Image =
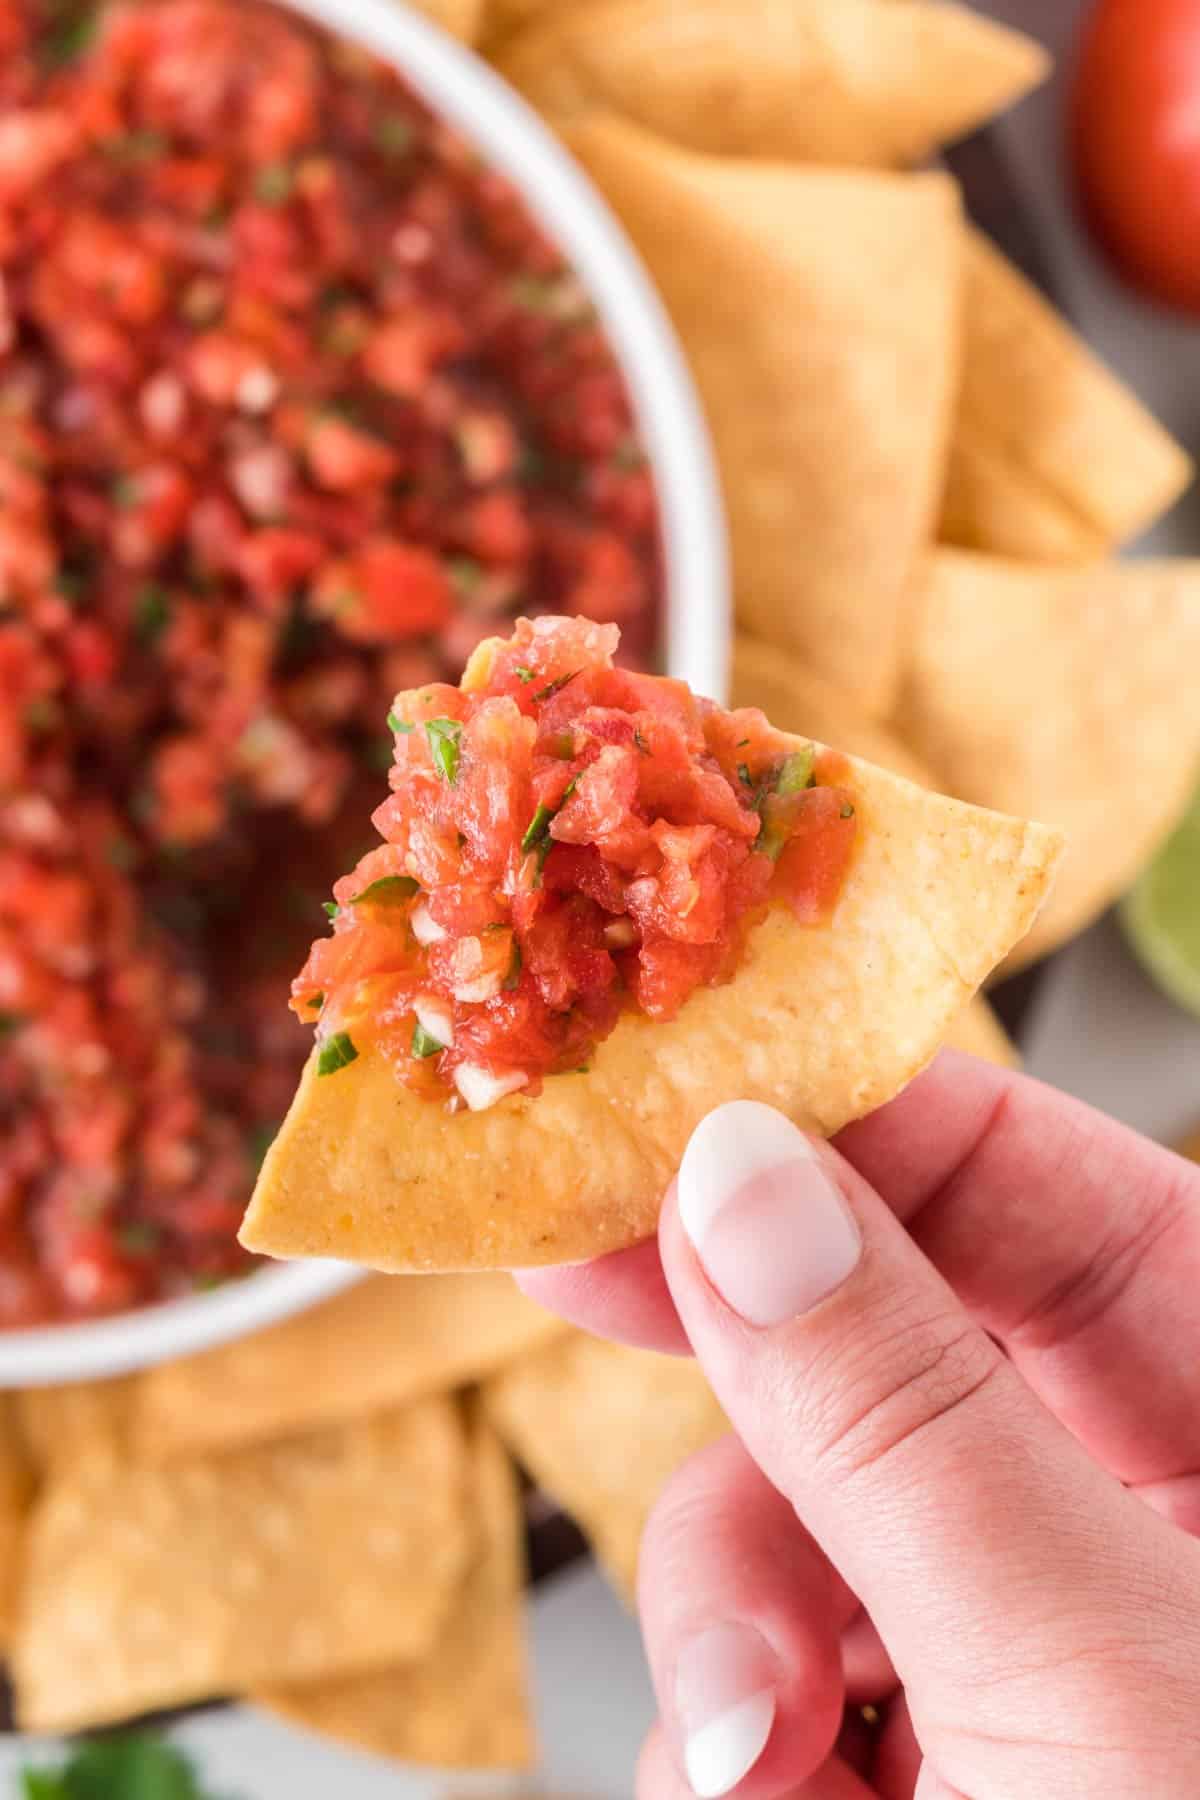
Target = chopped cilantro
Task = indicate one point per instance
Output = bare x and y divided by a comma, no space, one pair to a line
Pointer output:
444,735
120,854
744,775
389,890
72,584
151,613
337,1052
640,741
538,827
260,1141
555,687
125,491
137,146
466,574
742,742
10,1024
400,726
330,908
424,1044
315,1002
42,714
847,811
393,134
133,1766
524,676
139,1237
273,183
68,37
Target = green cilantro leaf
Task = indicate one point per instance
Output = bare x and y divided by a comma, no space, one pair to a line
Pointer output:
401,726
330,908
131,1767
525,676
151,613
424,1044
273,183
337,1052
555,687
389,890
538,827
444,746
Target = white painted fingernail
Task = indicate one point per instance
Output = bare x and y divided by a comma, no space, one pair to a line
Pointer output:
725,1701
764,1215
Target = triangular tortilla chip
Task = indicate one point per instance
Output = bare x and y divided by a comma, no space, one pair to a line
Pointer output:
824,1022
1068,692
148,1587
463,19
836,81
465,1704
602,1427
819,309
383,1344
81,1424
15,1487
979,1032
1052,456
794,699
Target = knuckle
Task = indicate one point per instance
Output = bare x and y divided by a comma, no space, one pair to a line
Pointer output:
903,1383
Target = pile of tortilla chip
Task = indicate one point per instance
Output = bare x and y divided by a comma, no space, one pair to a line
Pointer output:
327,1518
925,470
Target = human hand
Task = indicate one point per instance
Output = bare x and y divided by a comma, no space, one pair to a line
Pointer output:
967,1463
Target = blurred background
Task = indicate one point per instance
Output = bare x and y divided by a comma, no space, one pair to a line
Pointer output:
863,381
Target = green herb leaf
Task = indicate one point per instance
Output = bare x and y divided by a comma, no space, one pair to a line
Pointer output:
330,908
402,727
538,827
444,739
640,741
555,687
67,38
389,890
742,742
315,1002
139,1237
137,146
151,613
125,491
847,811
10,1024
744,775
466,574
261,1139
424,1044
524,676
132,1767
513,978
393,134
273,183
337,1052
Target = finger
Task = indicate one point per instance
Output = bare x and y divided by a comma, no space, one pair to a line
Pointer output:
659,1779
741,1623
1073,1240
906,1441
623,1296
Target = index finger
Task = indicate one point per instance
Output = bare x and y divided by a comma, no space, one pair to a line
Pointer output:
1071,1238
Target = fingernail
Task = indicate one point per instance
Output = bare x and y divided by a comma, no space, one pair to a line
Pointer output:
764,1216
725,1700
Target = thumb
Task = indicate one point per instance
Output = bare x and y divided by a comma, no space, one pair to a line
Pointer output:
986,1546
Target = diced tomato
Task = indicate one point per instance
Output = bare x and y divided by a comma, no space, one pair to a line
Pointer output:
816,857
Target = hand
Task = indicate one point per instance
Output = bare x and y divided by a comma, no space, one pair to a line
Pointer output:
967,1459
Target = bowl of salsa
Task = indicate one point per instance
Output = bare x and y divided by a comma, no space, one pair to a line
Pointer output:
320,361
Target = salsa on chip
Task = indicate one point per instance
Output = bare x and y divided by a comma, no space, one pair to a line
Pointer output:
603,905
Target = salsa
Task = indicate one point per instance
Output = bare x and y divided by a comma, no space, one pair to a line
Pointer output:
297,404
564,840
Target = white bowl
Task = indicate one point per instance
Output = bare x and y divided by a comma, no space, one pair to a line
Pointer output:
464,90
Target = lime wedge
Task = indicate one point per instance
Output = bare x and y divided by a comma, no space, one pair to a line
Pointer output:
1161,914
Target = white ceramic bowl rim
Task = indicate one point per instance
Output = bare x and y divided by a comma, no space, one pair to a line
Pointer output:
464,90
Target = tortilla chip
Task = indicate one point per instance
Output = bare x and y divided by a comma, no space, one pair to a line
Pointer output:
794,699
820,312
836,81
466,1703
463,19
154,1587
16,1483
1052,457
1069,692
979,1032
602,1427
82,1424
382,1344
824,1022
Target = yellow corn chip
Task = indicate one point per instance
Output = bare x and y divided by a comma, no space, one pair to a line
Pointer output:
382,1344
826,1023
148,1587
601,1427
837,81
78,1425
15,1488
1052,457
819,309
1068,692
465,1703
461,18
978,1031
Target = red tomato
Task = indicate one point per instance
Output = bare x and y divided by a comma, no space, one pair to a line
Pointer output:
1135,122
